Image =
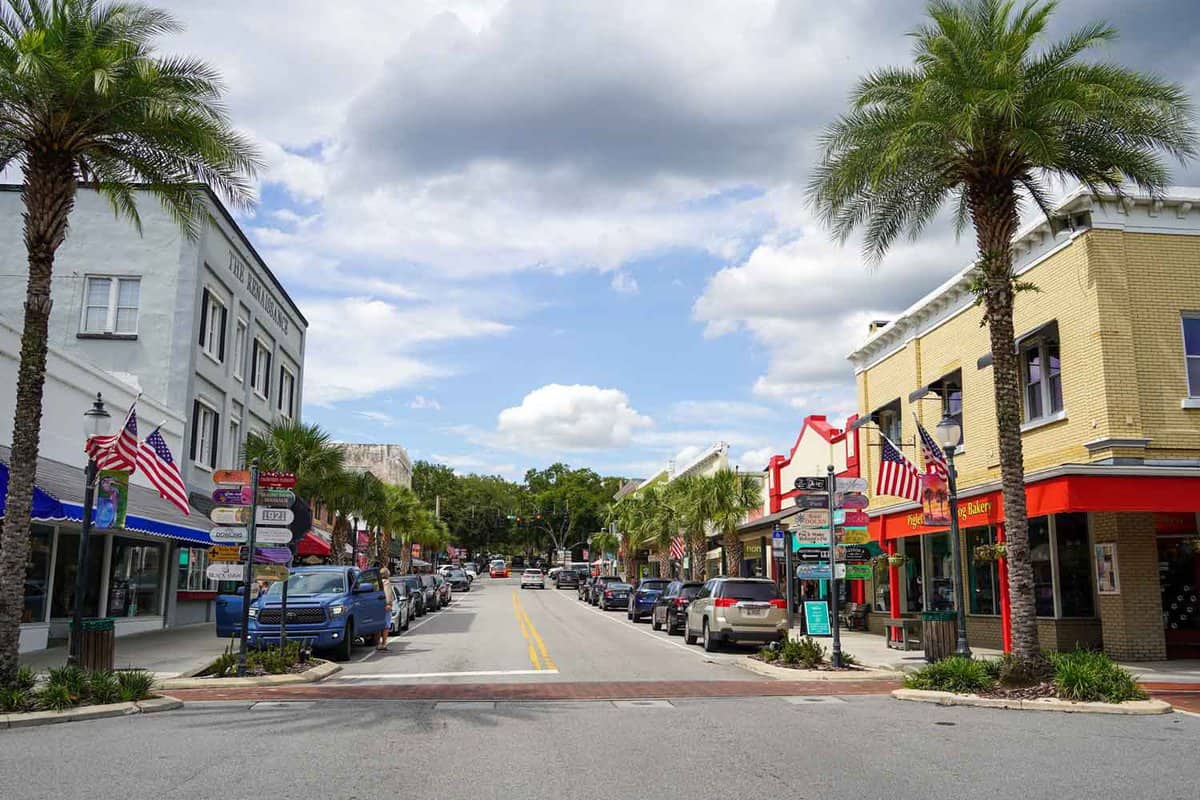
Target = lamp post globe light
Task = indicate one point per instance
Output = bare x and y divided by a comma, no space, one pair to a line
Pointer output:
949,436
96,422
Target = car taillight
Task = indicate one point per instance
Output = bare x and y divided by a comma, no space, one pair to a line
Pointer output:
607,593
725,602
779,602
681,601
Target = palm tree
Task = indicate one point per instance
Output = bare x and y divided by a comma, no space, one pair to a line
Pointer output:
725,498
400,514
84,96
988,115
684,492
303,449
364,500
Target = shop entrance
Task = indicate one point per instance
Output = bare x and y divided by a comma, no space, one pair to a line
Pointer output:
1179,577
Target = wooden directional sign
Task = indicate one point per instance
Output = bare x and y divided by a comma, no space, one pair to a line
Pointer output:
232,477
858,572
232,496
855,519
812,483
265,535
853,536
277,480
225,571
225,552
276,498
813,553
236,535
223,515
853,552
810,537
274,516
855,501
851,485
812,500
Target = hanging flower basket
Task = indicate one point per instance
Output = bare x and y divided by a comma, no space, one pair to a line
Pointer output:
897,560
990,552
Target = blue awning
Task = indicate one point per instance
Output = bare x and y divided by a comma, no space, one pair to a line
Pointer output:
46,507
153,527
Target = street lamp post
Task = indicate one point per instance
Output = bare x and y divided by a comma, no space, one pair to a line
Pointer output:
95,423
949,434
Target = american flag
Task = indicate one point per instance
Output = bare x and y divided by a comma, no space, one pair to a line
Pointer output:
677,549
935,459
154,459
897,475
117,450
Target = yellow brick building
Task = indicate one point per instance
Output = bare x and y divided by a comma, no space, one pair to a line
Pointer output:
1110,352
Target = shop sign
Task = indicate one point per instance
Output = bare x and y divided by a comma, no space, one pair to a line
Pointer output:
853,553
858,572
236,535
225,552
813,483
853,536
112,499
265,535
225,571
232,477
812,501
232,496
752,550
816,618
274,516
276,498
223,515
851,484
967,511
277,480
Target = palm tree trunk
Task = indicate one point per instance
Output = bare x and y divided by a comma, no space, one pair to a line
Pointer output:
337,540
994,209
405,557
49,196
699,550
733,554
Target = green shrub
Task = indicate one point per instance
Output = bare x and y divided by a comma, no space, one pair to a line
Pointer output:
806,652
848,660
103,687
15,699
1090,676
136,684
56,697
25,678
71,677
767,654
954,674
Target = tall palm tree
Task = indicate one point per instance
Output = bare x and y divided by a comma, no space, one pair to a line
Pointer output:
725,498
364,500
84,96
304,449
987,115
400,512
685,497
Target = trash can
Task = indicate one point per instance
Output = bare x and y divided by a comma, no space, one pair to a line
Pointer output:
97,644
939,634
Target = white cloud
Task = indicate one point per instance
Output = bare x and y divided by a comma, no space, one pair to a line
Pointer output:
560,418
376,416
624,283
477,465
423,402
754,460
717,411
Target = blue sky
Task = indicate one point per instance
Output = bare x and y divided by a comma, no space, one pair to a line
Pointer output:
527,230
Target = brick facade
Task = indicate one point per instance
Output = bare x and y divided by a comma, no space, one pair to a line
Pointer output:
1132,620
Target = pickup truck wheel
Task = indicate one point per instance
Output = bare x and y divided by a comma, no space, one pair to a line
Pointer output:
342,651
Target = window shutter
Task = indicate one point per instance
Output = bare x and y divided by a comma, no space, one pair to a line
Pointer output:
195,427
221,348
203,316
216,437
267,372
280,401
292,398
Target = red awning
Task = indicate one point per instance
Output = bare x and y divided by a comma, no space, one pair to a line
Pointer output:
311,544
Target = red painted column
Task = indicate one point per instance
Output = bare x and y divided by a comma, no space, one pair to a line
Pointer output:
1005,609
893,582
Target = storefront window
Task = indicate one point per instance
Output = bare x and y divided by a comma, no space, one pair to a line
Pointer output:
135,578
37,574
1074,565
982,576
192,563
1043,569
63,601
940,572
912,575
883,587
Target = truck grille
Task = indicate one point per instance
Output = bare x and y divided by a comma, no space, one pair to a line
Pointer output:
296,616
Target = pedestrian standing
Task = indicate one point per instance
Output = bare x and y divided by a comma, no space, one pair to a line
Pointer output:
386,585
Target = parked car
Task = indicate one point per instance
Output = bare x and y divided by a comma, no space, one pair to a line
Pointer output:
401,611
330,606
553,573
472,573
614,594
736,610
641,601
598,586
567,579
416,593
459,580
584,590
433,598
533,579
671,607
444,590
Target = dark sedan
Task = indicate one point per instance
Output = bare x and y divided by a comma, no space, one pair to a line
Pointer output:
614,595
567,579
459,580
433,597
598,585
670,610
416,593
641,601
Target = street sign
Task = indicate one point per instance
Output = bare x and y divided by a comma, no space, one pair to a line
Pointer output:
777,543
858,572
856,501
274,516
855,519
813,553
816,618
276,498
234,535
225,552
231,477
223,515
851,484
811,483
812,500
810,537
225,571
277,480
265,535
232,496
813,571
270,572
853,536
272,555
853,552
813,518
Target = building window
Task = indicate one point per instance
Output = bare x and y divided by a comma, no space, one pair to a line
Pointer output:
205,427
193,561
1043,566
135,578
239,349
888,419
1041,373
1191,349
110,306
260,370
287,392
213,317
1074,565
235,441
66,564
883,587
983,579
37,574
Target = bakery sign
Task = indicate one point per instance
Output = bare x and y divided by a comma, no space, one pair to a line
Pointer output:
970,512
258,289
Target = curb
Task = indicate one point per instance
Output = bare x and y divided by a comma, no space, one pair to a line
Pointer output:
35,718
318,673
789,674
1132,708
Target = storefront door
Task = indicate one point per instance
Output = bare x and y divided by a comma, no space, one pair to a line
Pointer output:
1179,577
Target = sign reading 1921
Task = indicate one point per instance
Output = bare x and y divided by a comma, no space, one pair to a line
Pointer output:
812,483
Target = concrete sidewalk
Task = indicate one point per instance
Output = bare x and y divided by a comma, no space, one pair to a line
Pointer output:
167,653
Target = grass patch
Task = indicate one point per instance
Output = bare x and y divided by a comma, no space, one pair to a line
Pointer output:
1091,676
135,684
957,674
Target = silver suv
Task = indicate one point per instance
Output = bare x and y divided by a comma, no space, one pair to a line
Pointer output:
736,610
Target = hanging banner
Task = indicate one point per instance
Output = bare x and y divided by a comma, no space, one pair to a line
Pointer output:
935,500
112,499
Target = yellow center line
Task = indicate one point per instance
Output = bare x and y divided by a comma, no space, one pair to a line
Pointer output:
521,620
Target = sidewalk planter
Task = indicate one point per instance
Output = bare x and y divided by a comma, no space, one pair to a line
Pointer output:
1133,707
35,718
97,644
938,634
322,670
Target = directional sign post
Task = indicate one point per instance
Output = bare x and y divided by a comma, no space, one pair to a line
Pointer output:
223,515
814,483
232,496
231,477
273,536
247,574
273,516
851,485
835,654
811,501
229,535
225,552
224,571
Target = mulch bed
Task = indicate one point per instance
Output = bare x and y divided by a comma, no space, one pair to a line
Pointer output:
820,668
1034,692
257,671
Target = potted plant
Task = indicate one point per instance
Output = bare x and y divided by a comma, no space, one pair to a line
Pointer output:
990,552
897,560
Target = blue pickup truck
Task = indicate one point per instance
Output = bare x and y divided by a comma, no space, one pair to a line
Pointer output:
328,606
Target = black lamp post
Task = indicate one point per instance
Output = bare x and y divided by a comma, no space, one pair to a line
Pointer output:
949,434
95,423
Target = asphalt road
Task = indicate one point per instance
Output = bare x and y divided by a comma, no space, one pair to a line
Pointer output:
499,632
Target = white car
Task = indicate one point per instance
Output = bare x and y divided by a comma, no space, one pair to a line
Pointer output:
399,609
534,578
